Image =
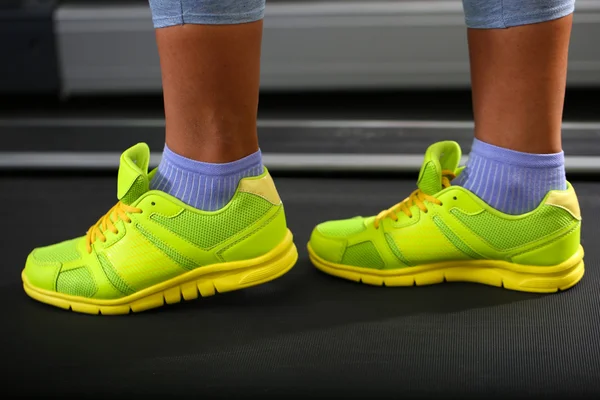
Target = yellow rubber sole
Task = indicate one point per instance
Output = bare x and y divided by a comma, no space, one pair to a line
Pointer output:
205,281
524,278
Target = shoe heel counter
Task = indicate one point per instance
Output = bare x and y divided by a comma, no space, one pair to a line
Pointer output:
567,244
262,186
565,199
270,231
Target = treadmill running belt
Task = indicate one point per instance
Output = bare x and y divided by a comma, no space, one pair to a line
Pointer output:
304,335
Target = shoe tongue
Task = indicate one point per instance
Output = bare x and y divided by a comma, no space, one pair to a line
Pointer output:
133,173
439,157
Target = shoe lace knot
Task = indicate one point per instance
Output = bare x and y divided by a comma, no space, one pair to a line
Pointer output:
107,223
417,198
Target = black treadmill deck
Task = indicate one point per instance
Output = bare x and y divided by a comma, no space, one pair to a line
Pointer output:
304,335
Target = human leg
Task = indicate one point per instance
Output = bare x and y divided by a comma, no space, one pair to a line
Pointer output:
210,62
518,78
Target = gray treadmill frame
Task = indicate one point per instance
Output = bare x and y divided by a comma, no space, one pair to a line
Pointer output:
276,161
314,45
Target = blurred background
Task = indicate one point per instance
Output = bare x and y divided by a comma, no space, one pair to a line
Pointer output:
350,90
382,79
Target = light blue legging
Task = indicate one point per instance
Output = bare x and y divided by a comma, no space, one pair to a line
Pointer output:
483,14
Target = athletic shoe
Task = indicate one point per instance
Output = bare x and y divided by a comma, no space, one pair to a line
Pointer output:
446,233
151,249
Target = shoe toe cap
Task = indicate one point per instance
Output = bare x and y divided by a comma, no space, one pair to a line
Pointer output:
328,240
44,264
41,274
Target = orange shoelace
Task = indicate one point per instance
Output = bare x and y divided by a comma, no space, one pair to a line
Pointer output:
417,198
119,212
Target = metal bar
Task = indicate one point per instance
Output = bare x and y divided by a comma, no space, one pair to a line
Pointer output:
266,123
275,162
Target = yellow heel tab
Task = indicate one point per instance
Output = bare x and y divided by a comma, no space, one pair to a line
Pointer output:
262,186
565,199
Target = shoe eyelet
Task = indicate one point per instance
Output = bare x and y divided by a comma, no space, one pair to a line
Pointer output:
455,198
153,203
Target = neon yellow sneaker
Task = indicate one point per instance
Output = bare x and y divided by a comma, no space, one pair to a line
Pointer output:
446,233
151,249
